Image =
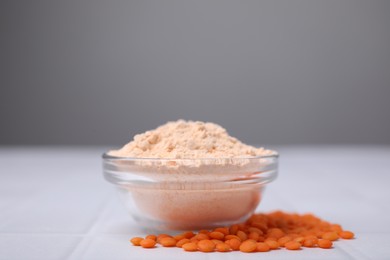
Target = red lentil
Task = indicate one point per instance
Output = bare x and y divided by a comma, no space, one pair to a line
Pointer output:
242,235
190,247
332,236
206,246
148,243
161,236
263,247
254,235
283,240
201,236
272,244
346,234
216,235
310,241
168,241
216,241
222,247
223,230
154,237
136,241
248,246
228,237
183,241
293,245
234,243
324,243
188,234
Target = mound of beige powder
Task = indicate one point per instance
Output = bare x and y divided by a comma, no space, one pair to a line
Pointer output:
190,140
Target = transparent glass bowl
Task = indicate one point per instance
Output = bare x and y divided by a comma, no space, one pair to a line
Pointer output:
181,194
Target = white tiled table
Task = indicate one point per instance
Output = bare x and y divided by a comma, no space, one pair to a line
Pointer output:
55,204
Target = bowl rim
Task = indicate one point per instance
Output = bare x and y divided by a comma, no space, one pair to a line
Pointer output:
106,156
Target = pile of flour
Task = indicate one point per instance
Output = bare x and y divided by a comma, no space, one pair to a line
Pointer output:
189,140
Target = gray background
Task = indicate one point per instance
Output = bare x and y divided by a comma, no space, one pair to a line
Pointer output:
271,72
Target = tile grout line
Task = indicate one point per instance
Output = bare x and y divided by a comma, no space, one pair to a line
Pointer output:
82,246
341,250
353,252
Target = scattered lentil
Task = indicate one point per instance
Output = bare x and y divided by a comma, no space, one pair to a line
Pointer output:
324,243
262,247
216,235
248,246
234,243
260,233
191,247
272,244
293,245
148,243
283,240
136,241
222,247
206,246
183,241
154,237
346,234
168,241
332,236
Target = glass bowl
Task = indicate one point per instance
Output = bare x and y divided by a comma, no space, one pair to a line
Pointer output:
182,194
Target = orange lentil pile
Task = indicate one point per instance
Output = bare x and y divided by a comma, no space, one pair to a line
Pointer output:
260,233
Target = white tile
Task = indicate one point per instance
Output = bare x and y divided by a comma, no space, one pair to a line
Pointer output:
39,247
59,209
368,245
55,204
